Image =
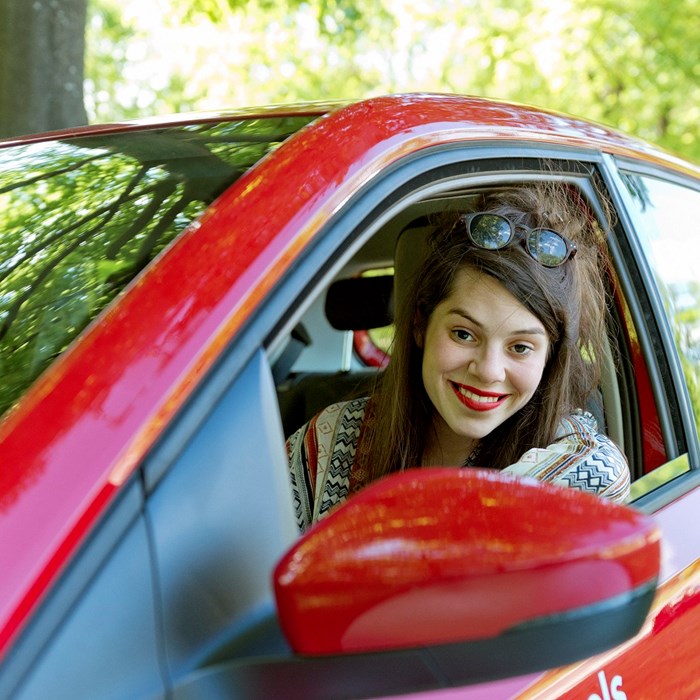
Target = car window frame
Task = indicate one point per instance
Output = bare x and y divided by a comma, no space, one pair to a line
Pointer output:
506,162
324,256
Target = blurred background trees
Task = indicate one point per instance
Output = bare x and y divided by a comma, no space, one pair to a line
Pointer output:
631,64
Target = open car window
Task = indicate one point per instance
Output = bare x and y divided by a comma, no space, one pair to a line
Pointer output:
321,373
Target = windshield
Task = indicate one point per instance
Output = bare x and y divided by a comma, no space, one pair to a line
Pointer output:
81,217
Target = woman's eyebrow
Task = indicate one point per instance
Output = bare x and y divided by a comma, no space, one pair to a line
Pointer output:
465,315
525,331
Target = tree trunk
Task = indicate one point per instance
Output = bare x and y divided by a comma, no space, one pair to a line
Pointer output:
42,49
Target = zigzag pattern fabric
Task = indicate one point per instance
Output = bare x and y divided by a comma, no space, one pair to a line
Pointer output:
322,455
581,458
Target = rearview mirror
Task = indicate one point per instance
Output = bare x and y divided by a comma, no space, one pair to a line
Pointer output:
499,575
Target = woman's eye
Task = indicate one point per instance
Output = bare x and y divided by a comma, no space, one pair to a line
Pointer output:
520,349
462,334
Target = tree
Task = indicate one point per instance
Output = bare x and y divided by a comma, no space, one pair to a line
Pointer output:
42,43
643,70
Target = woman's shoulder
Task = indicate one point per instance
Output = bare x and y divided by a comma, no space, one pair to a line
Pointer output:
580,457
342,410
321,454
327,421
579,424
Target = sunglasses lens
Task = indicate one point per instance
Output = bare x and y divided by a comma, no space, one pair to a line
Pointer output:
490,231
547,247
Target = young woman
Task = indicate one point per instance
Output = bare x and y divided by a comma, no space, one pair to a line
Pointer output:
495,355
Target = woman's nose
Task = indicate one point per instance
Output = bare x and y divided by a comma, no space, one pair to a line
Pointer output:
487,365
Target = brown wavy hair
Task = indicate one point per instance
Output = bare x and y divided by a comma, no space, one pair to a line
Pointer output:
569,300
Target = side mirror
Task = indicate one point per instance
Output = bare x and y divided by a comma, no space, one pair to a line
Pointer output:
497,574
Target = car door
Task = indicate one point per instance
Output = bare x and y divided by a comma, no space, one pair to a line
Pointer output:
660,211
212,567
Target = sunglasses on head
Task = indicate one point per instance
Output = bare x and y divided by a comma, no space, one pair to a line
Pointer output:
495,232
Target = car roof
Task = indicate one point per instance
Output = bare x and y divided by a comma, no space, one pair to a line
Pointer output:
487,118
180,119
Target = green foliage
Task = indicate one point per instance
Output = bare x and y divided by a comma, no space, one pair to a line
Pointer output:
115,86
344,19
107,40
631,64
643,70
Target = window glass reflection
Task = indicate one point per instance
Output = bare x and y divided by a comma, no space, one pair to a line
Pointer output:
80,218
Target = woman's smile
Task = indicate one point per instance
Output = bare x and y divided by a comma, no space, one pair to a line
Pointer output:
478,400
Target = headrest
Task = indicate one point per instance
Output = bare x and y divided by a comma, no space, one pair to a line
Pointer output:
360,303
411,250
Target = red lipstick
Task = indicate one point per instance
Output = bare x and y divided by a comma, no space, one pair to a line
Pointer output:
477,399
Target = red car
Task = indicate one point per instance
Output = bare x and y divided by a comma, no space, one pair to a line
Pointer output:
177,296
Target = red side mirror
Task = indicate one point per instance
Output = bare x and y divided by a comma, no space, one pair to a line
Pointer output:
436,556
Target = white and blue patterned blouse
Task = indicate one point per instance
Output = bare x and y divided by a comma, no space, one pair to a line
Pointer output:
322,454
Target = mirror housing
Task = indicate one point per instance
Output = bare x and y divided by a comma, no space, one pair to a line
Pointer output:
473,562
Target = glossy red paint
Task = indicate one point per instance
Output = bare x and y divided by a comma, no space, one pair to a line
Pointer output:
432,556
676,616
102,405
668,638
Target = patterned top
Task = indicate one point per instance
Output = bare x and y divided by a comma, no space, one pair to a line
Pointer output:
324,472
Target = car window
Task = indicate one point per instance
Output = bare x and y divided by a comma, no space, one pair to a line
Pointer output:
81,217
669,213
310,387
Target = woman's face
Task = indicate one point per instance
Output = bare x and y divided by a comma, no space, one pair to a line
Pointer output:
483,358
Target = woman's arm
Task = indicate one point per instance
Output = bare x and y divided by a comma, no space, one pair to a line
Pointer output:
321,454
302,471
581,458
